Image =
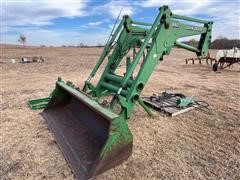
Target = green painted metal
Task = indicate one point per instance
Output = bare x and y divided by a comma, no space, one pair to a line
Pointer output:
115,148
141,23
189,19
183,102
186,46
117,78
86,100
113,88
145,107
38,103
153,41
41,103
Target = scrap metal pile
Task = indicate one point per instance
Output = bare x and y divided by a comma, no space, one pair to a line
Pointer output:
171,103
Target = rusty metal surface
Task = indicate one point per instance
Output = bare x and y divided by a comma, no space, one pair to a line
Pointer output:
225,62
79,132
113,160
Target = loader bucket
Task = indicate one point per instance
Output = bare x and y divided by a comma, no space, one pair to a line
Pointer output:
93,139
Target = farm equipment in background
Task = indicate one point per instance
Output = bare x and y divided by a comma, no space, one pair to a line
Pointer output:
92,134
226,58
207,58
33,59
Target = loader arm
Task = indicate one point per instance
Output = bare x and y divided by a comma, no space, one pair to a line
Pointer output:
154,41
95,137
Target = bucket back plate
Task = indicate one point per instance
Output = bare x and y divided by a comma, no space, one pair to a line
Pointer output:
81,129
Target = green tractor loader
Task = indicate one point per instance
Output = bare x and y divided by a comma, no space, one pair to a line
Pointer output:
95,137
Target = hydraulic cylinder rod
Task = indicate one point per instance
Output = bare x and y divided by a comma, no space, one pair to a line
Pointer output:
113,88
117,79
185,46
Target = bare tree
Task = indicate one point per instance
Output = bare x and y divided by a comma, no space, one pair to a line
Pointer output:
22,39
81,44
221,37
220,43
99,45
192,42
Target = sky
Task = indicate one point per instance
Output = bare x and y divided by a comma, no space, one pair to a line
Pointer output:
71,22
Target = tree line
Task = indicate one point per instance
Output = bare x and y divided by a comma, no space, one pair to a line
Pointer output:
219,43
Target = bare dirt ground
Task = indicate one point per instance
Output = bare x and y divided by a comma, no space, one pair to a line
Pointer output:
194,145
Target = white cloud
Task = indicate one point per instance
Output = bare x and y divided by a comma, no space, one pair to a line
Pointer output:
155,3
185,7
41,12
227,24
225,14
97,23
29,17
191,7
114,8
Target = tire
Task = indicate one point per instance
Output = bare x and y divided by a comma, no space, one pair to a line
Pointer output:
215,67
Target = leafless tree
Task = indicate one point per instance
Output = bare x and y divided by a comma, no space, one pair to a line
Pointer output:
81,44
22,39
192,42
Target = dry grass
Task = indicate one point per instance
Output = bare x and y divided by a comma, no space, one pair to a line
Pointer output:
195,145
